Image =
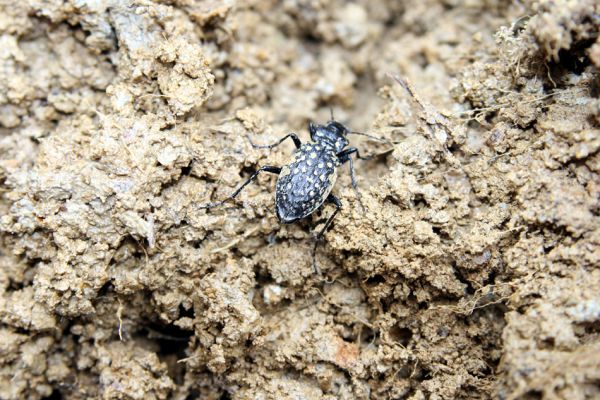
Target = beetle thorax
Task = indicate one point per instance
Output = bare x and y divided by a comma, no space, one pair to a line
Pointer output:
331,139
332,135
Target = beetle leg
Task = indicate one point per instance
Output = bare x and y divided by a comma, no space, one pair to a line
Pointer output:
266,168
292,135
344,156
338,205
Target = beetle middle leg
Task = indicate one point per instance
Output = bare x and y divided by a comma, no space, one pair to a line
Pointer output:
343,157
338,206
292,135
266,168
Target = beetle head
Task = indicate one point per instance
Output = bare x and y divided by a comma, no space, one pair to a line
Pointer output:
333,134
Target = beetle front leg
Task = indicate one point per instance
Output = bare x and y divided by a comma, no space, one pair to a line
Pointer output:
343,157
292,135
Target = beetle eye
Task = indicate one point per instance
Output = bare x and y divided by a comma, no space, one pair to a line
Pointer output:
340,129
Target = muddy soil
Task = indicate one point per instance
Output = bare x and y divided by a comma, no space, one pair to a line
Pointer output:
471,270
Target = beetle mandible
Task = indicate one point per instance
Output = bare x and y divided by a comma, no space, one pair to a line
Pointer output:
305,184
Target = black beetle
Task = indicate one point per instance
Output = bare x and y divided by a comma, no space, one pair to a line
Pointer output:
306,182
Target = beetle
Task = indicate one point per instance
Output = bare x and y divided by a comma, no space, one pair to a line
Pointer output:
305,183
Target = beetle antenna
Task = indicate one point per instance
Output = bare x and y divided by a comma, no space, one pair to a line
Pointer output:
331,112
379,139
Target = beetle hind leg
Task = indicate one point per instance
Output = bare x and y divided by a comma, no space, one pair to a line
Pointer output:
338,206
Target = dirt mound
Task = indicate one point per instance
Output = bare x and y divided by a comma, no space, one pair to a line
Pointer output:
471,272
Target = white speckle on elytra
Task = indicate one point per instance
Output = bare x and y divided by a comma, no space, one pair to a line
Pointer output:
309,162
313,155
304,169
330,165
312,193
289,186
323,177
321,165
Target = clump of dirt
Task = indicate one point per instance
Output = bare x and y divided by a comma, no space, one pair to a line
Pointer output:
471,272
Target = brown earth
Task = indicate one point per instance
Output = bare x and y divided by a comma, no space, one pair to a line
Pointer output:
473,271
